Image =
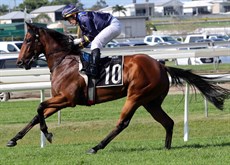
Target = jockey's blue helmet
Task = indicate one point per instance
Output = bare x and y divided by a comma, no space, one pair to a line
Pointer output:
69,10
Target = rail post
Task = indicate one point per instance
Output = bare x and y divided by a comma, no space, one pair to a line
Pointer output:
186,129
43,139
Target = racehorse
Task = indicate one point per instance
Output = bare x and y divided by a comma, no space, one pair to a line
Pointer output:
145,83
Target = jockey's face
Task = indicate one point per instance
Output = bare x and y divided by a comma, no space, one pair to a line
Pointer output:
72,20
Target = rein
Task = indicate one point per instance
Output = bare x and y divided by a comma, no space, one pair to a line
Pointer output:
52,53
56,51
59,61
37,42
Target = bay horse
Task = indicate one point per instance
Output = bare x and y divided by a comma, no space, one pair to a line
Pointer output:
145,83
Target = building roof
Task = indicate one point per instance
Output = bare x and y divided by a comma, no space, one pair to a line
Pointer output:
160,2
48,9
15,15
137,4
173,3
106,8
196,3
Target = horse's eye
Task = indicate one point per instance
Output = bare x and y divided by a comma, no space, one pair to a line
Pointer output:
28,40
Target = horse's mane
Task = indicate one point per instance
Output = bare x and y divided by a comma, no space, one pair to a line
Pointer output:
62,39
65,41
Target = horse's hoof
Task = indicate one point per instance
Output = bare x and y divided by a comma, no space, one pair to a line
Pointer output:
168,147
92,151
49,137
11,143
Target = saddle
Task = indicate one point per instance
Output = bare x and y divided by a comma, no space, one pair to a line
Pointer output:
110,73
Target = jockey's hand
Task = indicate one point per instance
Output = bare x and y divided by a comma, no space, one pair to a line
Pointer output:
77,41
76,46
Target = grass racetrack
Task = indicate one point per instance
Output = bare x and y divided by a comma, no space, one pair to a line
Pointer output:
142,143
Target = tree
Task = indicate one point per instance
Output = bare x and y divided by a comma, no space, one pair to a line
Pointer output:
42,18
65,2
4,9
150,27
120,9
78,4
33,4
99,5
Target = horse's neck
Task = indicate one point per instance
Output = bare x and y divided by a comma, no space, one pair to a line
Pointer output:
55,53
54,59
60,58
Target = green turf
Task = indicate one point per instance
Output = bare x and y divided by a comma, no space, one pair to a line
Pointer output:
205,68
141,143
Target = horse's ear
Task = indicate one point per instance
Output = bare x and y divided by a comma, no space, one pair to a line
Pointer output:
29,25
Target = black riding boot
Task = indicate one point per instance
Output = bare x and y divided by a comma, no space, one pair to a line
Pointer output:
92,70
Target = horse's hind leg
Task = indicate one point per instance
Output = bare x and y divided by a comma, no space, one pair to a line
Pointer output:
155,109
127,113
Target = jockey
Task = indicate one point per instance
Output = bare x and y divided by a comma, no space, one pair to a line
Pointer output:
97,28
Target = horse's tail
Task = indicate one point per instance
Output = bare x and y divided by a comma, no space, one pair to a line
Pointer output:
214,93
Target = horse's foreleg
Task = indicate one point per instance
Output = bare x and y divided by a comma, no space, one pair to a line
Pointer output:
22,133
57,103
28,127
43,126
159,115
123,122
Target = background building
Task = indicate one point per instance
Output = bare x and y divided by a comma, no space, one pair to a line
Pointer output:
53,12
133,9
15,17
132,27
167,8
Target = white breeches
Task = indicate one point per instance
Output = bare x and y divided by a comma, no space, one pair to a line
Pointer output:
107,34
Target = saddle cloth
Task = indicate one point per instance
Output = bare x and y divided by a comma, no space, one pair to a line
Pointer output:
110,70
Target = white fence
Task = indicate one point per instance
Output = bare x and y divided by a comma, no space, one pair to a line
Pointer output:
34,79
158,54
173,51
222,78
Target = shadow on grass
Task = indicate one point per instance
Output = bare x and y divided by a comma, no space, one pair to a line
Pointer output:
149,148
202,145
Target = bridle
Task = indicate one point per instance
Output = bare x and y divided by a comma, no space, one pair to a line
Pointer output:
37,43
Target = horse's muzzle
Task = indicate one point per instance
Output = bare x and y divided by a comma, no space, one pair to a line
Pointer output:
22,64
